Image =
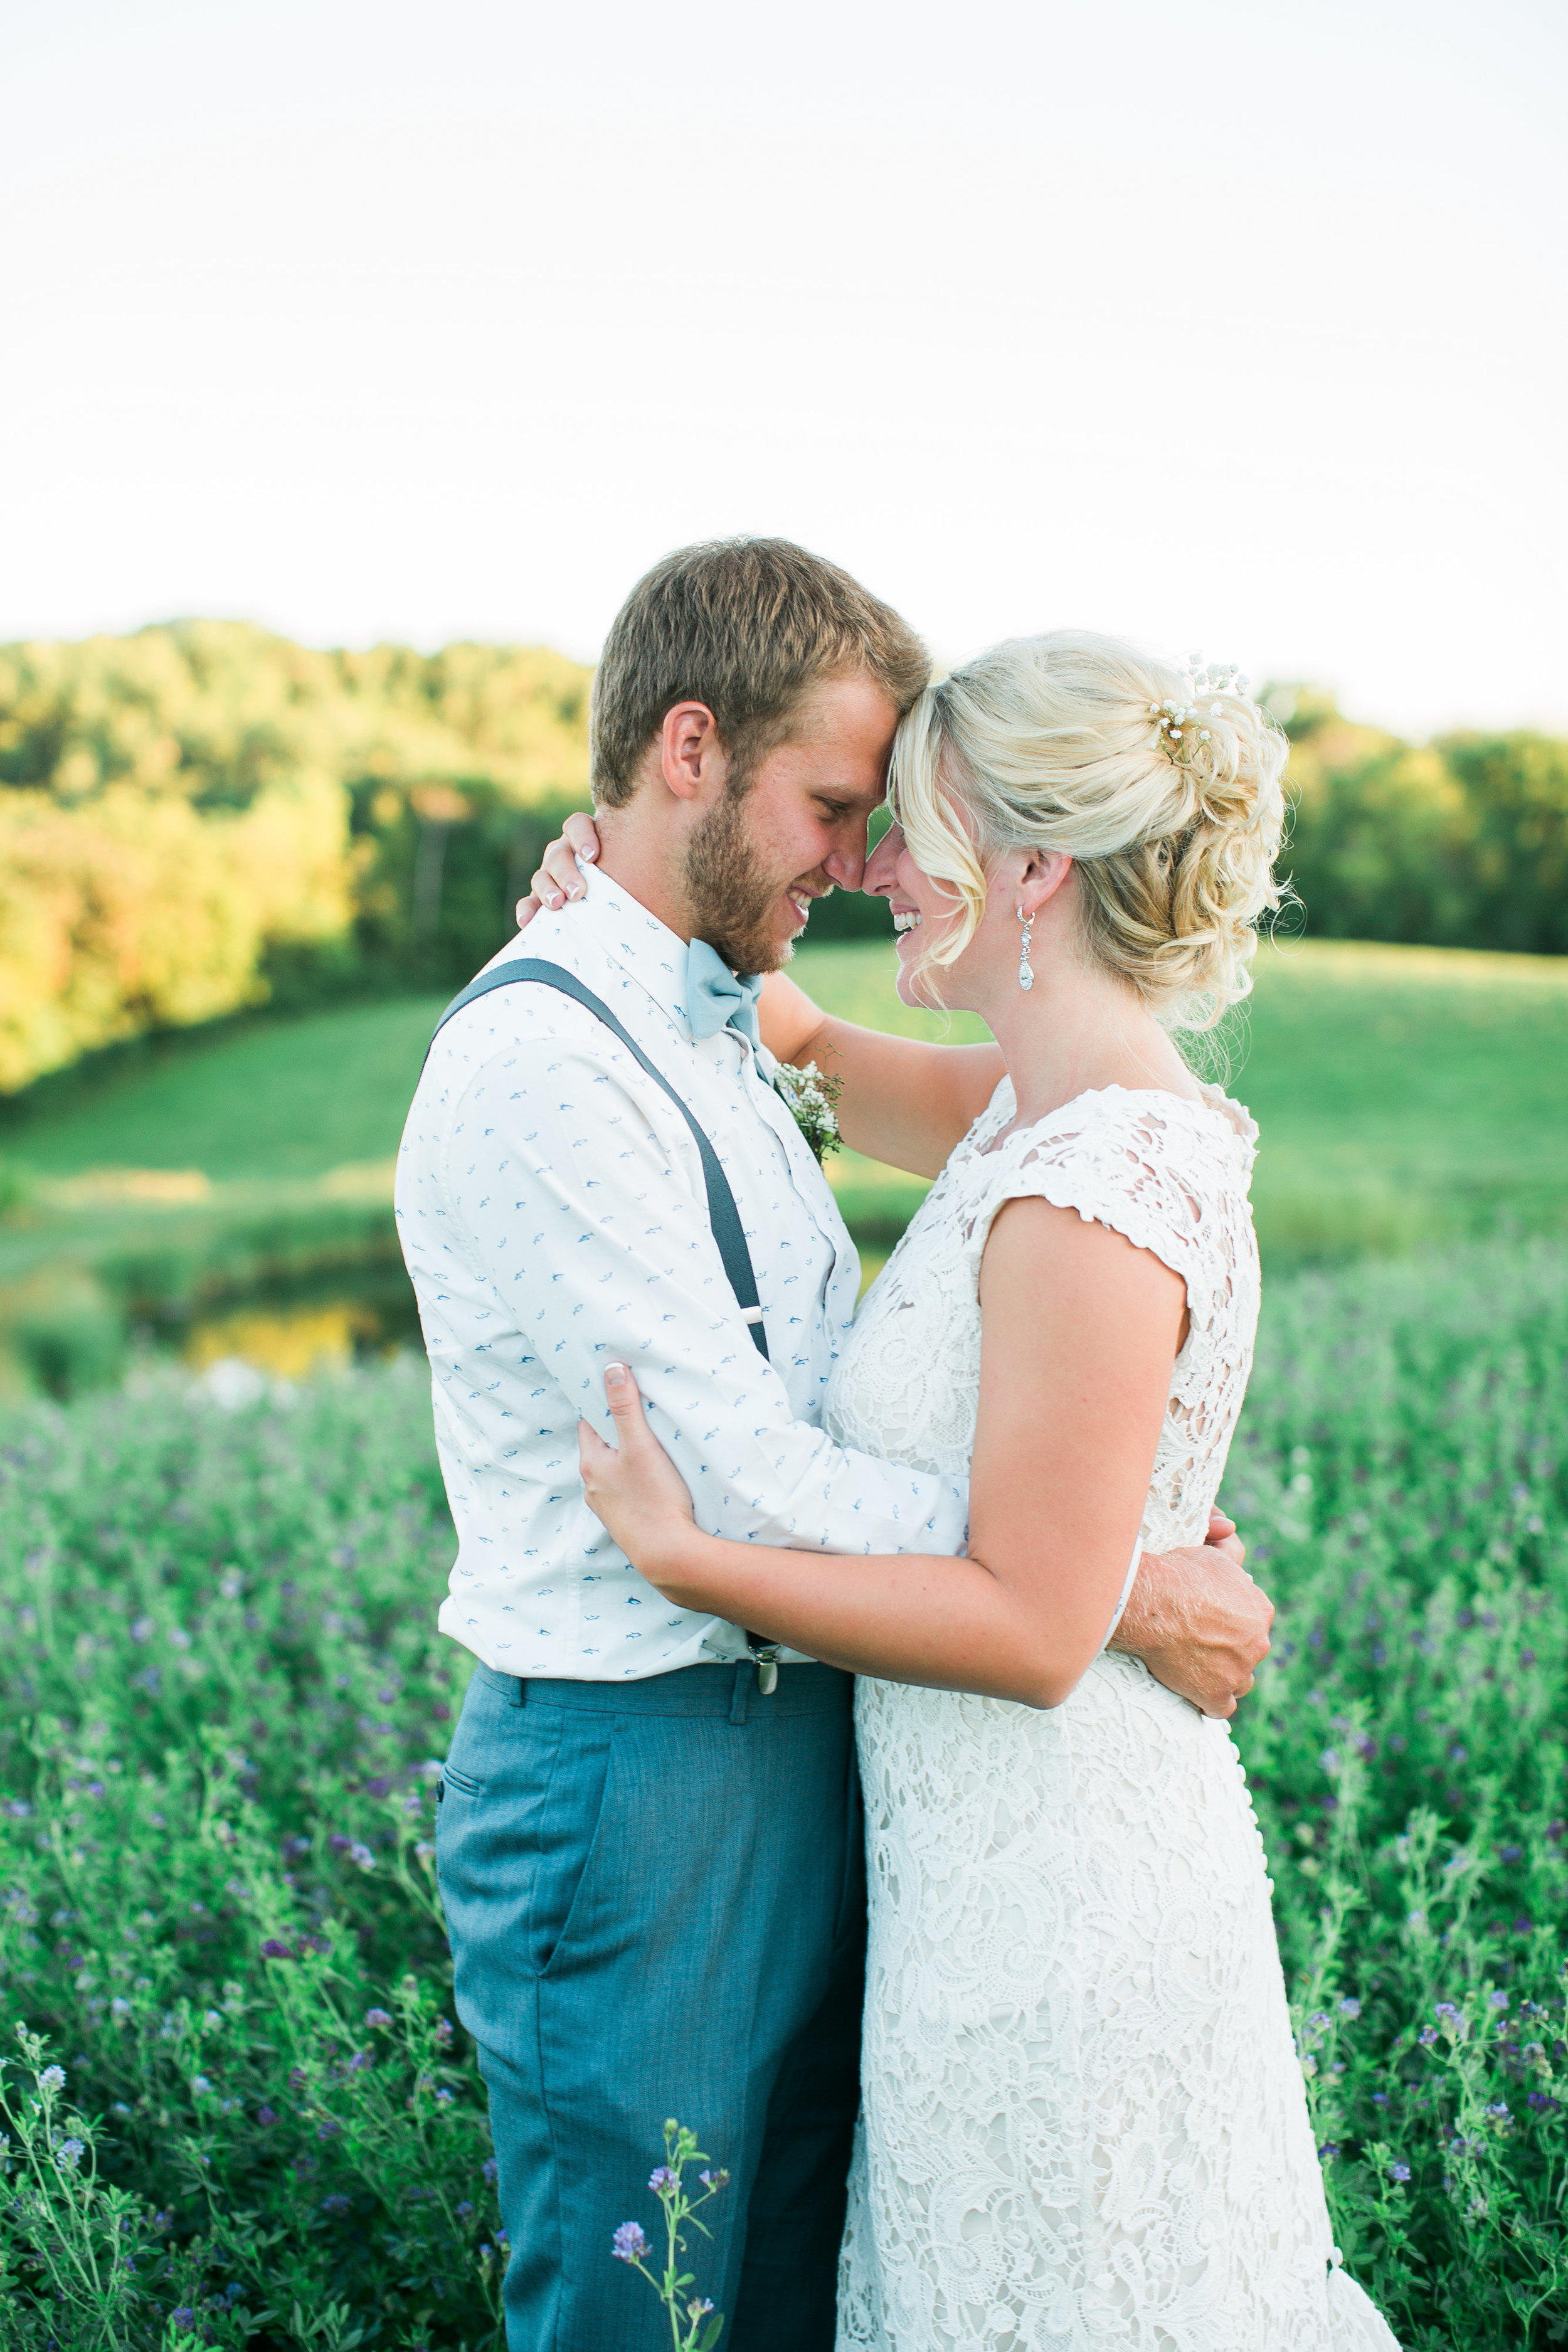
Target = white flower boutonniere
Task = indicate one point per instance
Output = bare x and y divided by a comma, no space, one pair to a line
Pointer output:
813,1102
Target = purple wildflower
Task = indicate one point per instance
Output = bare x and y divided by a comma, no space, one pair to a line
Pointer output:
1499,2000
490,2170
444,2095
273,1951
266,2118
52,2078
337,2203
379,1787
714,2180
662,2181
1328,2152
362,1855
628,2245
184,2317
465,2210
1500,2112
329,2129
378,2017
1350,2005
337,1843
1399,2172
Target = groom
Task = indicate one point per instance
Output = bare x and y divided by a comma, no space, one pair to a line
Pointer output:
648,1842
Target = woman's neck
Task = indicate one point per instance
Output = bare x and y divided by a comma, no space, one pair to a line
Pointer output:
1076,1030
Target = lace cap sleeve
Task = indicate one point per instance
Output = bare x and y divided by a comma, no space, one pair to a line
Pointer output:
1168,1173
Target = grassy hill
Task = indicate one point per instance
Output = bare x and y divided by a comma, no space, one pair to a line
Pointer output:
1406,1094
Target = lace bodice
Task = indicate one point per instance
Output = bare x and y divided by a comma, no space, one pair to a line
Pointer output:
1170,1174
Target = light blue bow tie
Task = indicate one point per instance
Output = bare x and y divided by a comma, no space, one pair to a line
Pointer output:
718,998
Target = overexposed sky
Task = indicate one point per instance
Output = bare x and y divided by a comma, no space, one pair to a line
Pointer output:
1234,326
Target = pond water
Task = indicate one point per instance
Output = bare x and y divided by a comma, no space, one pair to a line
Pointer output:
317,1329
300,1332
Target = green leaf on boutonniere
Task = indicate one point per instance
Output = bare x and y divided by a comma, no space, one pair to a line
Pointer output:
813,1104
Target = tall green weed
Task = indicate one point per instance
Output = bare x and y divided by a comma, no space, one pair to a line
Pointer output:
224,1694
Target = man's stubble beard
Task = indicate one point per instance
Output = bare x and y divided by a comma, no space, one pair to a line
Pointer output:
729,897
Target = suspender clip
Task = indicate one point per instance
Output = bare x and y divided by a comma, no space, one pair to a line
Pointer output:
767,1658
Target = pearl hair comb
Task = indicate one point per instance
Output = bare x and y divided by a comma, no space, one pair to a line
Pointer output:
1173,721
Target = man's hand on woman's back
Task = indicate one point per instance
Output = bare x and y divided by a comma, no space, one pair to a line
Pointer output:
1197,1620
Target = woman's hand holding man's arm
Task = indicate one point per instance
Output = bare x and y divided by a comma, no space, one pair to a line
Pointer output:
1079,1330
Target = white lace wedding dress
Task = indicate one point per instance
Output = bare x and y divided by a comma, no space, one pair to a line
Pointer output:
1084,2122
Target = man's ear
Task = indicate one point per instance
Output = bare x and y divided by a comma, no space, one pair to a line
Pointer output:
692,761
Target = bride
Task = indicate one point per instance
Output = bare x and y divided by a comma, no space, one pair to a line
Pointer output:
1084,2122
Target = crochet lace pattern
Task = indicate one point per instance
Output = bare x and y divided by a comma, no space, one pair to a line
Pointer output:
1084,2121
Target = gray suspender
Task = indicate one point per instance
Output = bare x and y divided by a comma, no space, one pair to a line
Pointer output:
722,1214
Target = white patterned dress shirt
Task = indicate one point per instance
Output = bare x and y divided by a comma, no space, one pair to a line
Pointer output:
553,1217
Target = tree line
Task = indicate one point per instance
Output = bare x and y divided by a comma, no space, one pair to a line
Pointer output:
203,816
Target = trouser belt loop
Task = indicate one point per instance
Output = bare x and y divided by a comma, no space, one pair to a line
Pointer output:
739,1704
521,1698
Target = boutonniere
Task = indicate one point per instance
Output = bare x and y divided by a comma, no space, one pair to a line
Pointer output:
812,1103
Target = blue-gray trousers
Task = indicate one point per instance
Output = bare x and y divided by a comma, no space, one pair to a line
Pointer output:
656,1897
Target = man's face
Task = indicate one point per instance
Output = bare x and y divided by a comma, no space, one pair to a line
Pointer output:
757,860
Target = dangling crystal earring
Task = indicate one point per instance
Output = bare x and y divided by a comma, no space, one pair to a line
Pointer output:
1026,976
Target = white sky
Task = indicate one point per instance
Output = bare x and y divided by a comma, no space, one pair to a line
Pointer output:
1236,328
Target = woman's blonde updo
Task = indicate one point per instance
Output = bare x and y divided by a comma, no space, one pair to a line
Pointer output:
1167,793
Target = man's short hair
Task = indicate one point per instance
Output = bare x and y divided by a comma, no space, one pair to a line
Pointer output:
747,627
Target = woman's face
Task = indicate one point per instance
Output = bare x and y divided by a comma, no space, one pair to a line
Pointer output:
922,908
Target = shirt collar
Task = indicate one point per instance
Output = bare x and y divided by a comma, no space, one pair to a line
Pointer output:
653,954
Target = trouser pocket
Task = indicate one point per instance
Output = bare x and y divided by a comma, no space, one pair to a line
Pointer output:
521,1805
571,1827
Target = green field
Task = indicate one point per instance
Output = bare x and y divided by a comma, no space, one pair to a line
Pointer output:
1404,1094
221,1689
1407,1096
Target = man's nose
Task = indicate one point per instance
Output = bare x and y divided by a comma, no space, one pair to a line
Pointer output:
879,867
846,867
